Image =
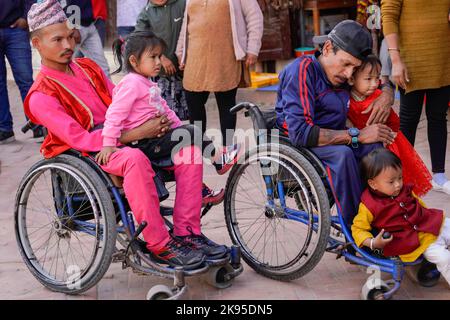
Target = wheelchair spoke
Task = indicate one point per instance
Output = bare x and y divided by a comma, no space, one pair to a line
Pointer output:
47,208
247,196
258,206
47,247
38,228
78,211
254,183
262,234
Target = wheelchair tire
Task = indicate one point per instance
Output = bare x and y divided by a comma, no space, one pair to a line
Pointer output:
160,292
216,276
302,173
83,182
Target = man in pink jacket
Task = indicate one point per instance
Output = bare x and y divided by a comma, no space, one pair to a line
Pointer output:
61,80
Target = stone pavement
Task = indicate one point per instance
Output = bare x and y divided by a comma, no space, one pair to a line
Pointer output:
330,279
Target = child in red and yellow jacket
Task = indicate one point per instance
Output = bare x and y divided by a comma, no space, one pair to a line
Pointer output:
388,205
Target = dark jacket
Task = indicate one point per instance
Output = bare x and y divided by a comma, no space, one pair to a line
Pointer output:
403,217
87,15
307,101
11,10
165,22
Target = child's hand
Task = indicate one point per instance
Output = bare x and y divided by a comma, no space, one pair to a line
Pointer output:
379,242
103,156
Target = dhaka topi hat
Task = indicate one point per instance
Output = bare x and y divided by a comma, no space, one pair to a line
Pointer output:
45,13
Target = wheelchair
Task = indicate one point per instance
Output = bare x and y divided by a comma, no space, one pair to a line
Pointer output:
72,221
282,211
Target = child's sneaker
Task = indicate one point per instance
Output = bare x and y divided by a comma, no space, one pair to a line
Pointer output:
177,254
211,249
230,155
210,196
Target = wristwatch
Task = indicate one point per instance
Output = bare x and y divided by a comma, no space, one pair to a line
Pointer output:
354,133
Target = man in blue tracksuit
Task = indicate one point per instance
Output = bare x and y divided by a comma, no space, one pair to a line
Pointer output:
312,105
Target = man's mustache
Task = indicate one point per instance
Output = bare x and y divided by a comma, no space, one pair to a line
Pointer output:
66,52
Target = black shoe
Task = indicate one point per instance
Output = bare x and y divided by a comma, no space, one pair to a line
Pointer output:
211,249
6,137
177,254
38,132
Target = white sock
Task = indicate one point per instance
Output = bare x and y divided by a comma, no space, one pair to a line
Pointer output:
440,178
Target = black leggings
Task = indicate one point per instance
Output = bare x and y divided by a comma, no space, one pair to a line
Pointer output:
225,101
436,110
173,141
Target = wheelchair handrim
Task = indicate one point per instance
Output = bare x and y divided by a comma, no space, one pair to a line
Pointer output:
23,235
237,236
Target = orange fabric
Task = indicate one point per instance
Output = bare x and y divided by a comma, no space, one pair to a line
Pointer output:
52,145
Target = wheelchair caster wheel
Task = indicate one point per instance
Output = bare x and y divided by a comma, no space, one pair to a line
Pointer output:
369,292
160,292
424,274
217,276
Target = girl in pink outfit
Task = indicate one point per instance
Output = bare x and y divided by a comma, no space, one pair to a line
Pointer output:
135,100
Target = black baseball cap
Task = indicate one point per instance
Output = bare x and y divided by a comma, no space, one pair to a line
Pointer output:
351,37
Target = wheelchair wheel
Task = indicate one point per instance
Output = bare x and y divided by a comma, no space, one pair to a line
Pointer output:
65,224
160,292
370,292
277,211
216,276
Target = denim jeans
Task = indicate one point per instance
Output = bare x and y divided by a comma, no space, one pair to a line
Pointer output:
92,48
15,45
100,25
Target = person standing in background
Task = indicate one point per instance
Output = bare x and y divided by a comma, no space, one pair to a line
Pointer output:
219,39
100,11
419,50
15,46
164,19
89,42
127,13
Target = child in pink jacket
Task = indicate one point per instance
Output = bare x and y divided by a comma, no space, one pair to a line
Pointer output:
137,99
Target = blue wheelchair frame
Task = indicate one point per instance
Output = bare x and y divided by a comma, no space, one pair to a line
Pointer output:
393,266
130,230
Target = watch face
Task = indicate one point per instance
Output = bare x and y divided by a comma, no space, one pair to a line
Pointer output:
353,132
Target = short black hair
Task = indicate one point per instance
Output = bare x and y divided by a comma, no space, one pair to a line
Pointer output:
336,48
35,33
372,61
378,160
135,44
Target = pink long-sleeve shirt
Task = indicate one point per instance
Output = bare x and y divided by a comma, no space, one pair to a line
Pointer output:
60,123
135,100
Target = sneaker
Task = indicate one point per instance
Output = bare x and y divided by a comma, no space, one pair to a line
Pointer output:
230,155
177,254
6,137
38,132
210,196
442,188
211,249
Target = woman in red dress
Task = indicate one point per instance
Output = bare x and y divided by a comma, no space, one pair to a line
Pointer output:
364,91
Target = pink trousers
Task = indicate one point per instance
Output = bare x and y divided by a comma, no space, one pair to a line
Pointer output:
140,190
